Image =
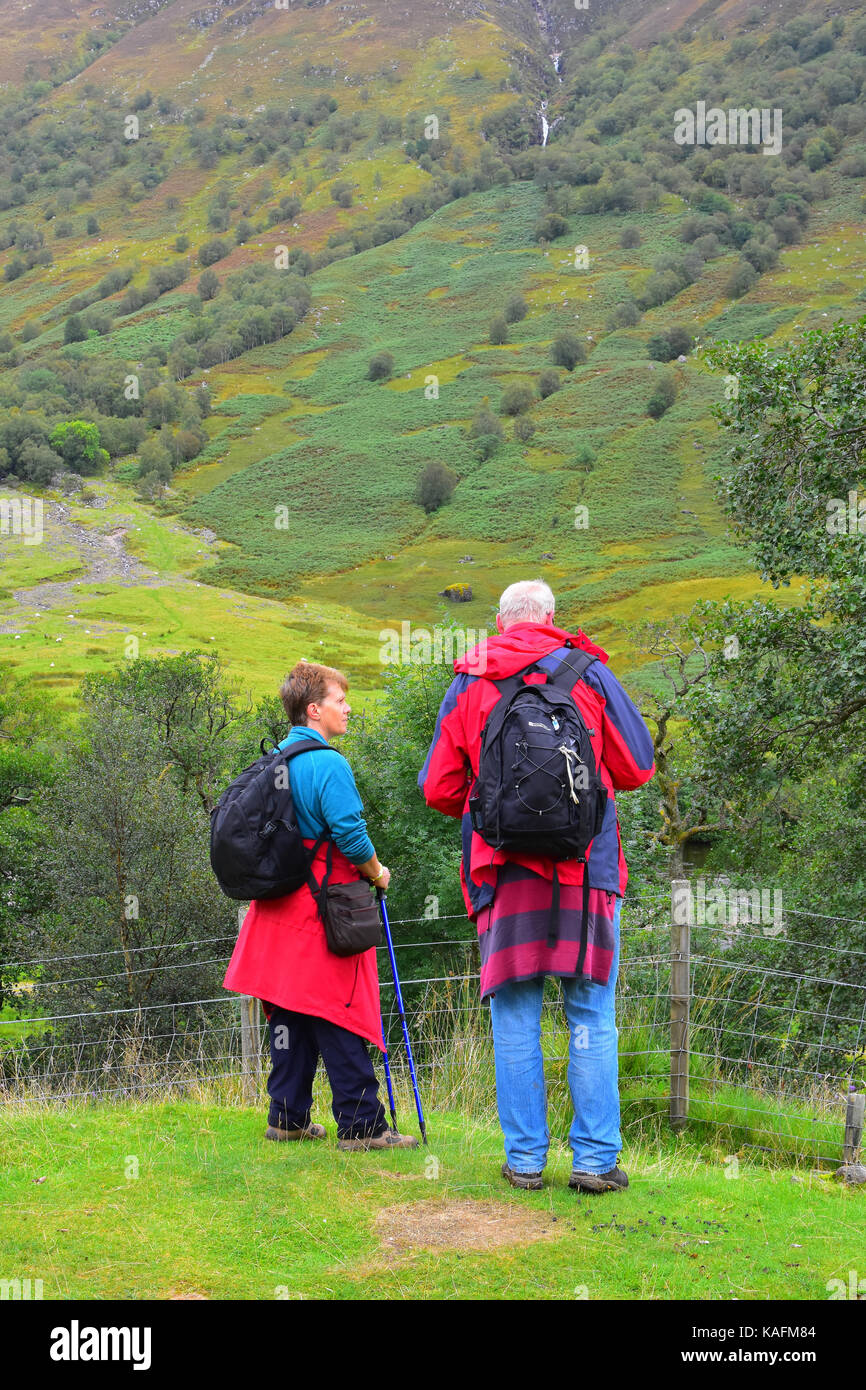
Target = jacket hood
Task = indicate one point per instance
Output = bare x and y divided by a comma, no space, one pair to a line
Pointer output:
505,653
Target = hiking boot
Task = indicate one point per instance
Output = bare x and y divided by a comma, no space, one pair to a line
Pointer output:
388,1139
530,1182
309,1132
598,1182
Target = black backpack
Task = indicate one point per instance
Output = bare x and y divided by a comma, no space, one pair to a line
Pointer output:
538,789
256,848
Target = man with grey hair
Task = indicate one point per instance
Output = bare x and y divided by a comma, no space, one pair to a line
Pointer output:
532,915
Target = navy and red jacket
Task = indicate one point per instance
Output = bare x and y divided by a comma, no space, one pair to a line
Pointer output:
622,744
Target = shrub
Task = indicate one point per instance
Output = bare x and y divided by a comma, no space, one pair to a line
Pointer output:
550,227
486,430
524,429
630,238
741,280
516,309
208,285
567,350
341,192
624,315
548,382
381,366
670,343
212,251
74,330
517,398
435,486
663,396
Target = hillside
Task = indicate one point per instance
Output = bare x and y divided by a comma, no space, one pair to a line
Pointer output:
153,165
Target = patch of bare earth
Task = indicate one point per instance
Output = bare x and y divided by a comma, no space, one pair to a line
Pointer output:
460,1225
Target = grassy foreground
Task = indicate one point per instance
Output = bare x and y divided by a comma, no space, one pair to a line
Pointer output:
186,1200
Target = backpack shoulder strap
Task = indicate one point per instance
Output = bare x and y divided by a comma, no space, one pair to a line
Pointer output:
303,745
508,686
570,670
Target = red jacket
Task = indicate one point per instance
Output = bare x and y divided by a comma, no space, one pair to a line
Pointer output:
622,745
282,957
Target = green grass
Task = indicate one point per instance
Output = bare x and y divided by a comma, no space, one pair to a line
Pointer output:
142,1202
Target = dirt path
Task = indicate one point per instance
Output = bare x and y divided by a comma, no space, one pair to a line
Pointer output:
102,555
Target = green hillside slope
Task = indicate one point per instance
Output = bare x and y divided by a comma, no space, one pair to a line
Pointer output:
237,207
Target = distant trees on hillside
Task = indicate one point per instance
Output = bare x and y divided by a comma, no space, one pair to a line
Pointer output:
669,343
435,486
663,396
380,367
567,350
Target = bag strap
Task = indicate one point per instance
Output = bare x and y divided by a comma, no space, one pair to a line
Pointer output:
508,687
319,890
571,671
302,745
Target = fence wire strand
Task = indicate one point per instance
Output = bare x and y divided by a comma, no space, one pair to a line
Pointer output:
772,1048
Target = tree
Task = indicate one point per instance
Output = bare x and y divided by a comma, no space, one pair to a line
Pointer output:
524,429
208,284
624,315
126,863
435,486
741,279
341,192
212,251
77,442
516,309
380,367
550,227
548,382
670,343
517,397
154,460
74,330
684,664
27,741
486,429
784,703
567,350
663,396
498,330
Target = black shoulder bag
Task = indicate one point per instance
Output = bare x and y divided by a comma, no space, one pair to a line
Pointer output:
349,911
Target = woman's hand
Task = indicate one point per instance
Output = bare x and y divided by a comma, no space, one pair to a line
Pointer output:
384,880
378,875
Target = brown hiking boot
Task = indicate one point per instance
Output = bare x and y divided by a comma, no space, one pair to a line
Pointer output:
388,1139
530,1182
311,1132
598,1182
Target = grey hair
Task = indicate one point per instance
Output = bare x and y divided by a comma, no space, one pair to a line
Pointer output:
527,601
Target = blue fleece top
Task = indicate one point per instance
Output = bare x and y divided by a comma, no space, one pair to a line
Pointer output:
325,796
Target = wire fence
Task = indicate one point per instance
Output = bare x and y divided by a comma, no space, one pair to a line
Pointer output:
752,1033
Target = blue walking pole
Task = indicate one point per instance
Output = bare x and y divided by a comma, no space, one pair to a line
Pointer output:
381,896
388,1079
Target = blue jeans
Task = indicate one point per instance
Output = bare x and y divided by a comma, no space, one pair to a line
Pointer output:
593,1070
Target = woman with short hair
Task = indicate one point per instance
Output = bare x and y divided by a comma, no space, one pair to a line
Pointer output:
317,1003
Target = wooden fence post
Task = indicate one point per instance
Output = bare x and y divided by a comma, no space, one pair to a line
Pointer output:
852,1170
251,1049
680,989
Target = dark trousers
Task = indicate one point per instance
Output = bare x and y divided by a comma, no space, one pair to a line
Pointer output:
297,1041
